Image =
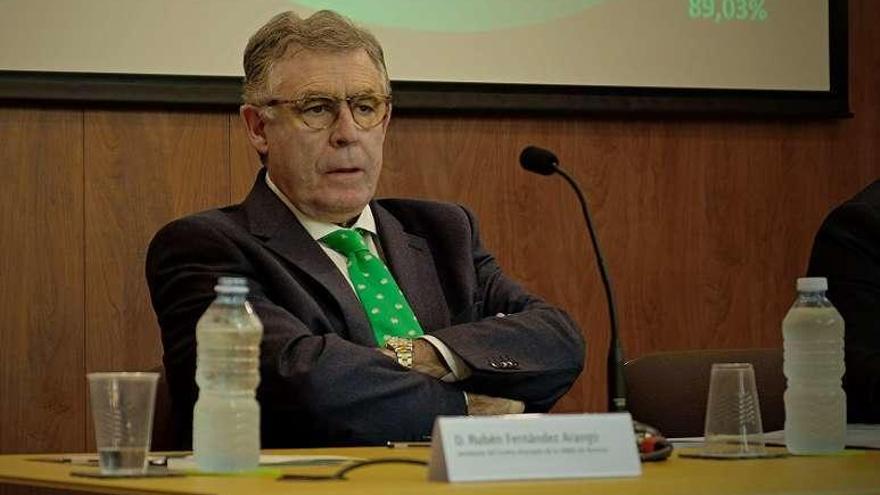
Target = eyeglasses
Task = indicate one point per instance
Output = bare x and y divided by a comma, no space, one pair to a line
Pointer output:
321,112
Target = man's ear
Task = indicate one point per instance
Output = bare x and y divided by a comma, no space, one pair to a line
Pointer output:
255,125
387,120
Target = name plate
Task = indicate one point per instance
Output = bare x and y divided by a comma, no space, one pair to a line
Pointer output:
533,446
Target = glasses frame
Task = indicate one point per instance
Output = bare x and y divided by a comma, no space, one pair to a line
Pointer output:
295,104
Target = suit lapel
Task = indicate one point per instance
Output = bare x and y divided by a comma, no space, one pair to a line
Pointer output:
278,228
409,259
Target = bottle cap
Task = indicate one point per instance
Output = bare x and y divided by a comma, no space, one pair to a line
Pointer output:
812,284
232,285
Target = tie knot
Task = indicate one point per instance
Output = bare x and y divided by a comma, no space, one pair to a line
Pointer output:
345,241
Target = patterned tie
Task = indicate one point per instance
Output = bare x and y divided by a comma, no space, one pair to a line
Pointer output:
386,307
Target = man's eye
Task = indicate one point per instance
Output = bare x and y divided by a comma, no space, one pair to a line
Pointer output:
317,108
365,106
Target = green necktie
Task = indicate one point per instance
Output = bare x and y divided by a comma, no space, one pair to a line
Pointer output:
383,301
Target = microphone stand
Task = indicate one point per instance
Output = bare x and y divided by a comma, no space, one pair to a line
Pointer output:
652,445
616,383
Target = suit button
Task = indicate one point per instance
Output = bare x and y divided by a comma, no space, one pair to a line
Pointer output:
494,364
507,363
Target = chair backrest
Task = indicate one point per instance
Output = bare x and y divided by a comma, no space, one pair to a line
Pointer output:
668,390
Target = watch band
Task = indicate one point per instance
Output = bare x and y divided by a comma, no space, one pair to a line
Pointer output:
403,349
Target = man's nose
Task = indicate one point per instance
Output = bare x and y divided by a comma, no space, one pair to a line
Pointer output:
344,131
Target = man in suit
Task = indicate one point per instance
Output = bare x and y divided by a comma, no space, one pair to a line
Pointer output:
847,252
460,338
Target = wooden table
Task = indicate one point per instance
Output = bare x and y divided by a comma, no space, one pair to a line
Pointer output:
853,472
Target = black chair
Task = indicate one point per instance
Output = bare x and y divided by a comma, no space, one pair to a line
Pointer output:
668,390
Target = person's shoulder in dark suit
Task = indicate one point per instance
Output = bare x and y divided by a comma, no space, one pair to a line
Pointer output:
847,252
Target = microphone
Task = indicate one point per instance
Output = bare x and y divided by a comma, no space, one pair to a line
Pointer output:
538,160
651,443
544,162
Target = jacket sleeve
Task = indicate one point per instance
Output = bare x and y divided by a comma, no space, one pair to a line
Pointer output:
516,345
316,387
847,252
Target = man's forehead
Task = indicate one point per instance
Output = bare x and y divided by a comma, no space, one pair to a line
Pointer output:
304,71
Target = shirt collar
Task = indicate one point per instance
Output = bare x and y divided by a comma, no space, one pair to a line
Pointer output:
318,229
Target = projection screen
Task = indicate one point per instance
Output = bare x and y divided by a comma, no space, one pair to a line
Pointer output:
700,56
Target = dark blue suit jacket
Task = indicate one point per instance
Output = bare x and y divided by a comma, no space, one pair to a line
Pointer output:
322,380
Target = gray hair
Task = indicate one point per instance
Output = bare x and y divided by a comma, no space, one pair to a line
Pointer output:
323,31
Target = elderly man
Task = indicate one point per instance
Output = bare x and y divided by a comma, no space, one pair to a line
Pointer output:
379,315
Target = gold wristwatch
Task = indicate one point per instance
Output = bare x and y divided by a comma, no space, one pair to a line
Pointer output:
403,349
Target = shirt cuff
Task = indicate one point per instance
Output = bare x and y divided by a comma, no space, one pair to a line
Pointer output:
458,369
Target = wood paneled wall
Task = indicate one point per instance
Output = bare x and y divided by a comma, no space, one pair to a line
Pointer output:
705,225
42,331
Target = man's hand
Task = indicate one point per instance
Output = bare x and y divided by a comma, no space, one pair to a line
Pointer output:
427,360
483,405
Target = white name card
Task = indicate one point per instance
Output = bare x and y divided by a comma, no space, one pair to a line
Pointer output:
533,446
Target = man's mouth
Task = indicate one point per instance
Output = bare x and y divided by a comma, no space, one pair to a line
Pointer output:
344,171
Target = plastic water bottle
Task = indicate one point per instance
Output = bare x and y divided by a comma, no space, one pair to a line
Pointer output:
226,419
815,403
